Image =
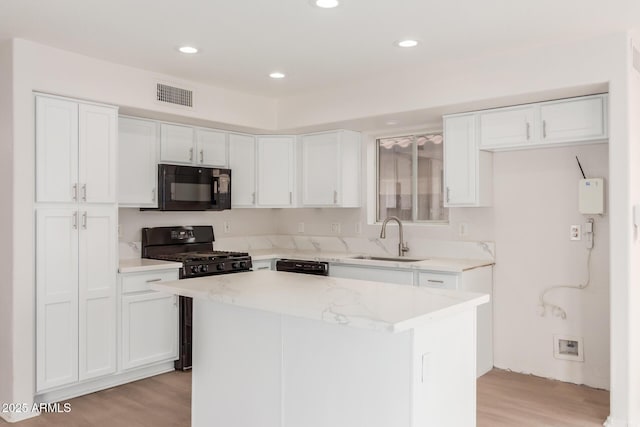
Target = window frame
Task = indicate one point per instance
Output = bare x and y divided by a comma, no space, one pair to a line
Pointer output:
414,177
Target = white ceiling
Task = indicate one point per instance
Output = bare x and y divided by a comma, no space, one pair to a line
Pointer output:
242,41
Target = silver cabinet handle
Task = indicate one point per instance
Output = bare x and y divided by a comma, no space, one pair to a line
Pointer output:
448,194
75,220
528,131
435,281
84,220
153,195
75,192
290,197
190,154
335,197
153,280
201,156
544,128
253,201
84,192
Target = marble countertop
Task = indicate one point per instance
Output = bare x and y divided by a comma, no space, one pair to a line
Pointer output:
355,303
136,265
450,265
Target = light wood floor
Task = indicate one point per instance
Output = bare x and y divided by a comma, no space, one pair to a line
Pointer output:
504,399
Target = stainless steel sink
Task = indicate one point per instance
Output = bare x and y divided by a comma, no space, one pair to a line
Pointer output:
394,259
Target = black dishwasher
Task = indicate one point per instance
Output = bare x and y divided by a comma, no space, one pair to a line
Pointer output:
318,268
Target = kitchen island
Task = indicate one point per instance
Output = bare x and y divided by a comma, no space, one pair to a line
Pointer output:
276,349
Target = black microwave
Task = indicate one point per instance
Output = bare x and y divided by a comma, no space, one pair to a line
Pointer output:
193,188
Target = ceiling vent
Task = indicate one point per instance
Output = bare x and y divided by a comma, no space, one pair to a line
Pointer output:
174,95
636,59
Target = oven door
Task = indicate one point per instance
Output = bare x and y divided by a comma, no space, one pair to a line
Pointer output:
185,188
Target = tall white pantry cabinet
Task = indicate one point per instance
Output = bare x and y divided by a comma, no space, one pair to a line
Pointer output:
76,241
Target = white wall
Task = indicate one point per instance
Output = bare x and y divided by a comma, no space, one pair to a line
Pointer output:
6,229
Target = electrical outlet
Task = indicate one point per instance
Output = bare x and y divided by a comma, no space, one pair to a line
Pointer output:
301,227
335,227
574,232
568,348
358,229
226,227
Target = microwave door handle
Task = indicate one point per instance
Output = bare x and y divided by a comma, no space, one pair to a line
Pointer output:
214,191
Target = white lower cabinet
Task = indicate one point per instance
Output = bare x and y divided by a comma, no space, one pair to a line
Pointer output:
476,280
385,275
149,320
75,294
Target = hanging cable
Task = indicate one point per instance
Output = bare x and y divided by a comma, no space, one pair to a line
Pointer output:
556,310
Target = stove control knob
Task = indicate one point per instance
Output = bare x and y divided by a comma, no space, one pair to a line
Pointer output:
243,264
194,268
203,268
220,266
235,265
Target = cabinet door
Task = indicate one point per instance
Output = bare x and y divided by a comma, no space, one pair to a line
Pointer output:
56,297
176,144
149,328
97,291
320,169
56,150
212,148
137,169
275,171
506,128
385,275
574,119
242,162
460,161
98,150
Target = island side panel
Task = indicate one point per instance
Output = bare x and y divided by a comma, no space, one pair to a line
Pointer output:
444,360
341,376
236,379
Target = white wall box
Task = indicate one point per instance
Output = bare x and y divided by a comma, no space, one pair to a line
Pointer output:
468,172
242,162
149,321
75,276
76,151
137,165
265,264
276,171
330,169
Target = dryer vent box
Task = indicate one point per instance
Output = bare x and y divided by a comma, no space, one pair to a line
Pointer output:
591,196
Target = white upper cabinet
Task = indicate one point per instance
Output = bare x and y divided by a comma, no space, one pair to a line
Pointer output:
211,148
242,162
137,165
572,120
177,144
276,171
507,127
565,121
75,151
467,171
330,169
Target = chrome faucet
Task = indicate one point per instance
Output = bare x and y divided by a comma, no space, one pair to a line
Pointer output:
402,246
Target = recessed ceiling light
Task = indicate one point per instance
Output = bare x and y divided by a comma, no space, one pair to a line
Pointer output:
407,43
188,49
277,75
326,4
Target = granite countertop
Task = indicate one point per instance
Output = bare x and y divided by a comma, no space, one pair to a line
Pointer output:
354,303
136,265
450,265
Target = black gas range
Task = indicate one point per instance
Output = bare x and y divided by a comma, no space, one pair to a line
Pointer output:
193,247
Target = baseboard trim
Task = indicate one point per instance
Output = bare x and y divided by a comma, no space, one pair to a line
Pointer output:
14,417
615,422
92,386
